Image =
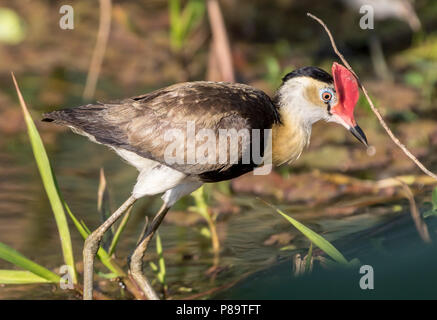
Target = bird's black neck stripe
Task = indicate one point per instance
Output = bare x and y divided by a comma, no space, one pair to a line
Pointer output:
312,72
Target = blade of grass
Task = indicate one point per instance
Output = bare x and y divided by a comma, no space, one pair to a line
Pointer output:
191,16
102,254
20,277
174,13
201,207
16,258
153,266
183,21
57,203
160,271
84,232
118,232
49,183
161,261
104,257
85,227
103,208
316,239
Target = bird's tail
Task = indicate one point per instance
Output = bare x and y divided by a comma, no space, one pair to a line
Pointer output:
54,116
89,121
73,116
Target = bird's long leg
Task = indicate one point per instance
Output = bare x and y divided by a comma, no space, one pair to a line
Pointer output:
136,260
92,243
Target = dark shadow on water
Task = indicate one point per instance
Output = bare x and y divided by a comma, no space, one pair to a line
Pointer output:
404,268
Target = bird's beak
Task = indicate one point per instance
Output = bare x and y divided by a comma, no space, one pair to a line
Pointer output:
348,93
359,134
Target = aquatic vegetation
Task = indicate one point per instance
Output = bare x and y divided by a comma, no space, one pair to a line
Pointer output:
315,239
159,270
433,210
201,208
274,72
36,273
119,231
184,21
56,202
363,208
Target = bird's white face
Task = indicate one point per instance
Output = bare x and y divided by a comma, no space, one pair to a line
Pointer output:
300,98
310,98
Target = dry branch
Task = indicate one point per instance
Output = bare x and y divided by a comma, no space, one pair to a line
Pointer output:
372,106
421,227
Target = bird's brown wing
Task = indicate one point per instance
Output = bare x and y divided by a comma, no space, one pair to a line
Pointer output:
139,124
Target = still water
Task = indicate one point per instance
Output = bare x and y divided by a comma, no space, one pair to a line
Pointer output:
385,239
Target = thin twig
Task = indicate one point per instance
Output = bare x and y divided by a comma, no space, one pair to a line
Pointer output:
99,50
372,106
421,227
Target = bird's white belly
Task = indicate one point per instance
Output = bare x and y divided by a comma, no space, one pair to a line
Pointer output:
135,160
156,178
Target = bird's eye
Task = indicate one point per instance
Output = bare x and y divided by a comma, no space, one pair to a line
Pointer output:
326,95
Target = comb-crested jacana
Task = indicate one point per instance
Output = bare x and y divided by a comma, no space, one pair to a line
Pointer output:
136,127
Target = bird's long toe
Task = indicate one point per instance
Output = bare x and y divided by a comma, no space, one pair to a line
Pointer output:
89,252
136,269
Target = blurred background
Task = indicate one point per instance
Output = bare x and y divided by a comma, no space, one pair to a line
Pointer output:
337,187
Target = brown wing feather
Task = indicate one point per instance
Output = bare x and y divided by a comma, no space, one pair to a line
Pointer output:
138,124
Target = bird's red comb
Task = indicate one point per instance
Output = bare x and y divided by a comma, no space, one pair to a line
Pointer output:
347,91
